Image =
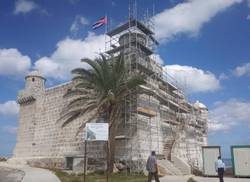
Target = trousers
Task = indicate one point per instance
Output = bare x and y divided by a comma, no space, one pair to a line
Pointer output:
153,174
220,174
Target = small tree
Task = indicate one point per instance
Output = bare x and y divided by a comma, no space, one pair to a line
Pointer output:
101,89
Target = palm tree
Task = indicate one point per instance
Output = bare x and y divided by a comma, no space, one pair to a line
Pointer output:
102,89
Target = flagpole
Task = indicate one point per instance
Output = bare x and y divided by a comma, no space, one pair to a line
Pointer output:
106,31
107,170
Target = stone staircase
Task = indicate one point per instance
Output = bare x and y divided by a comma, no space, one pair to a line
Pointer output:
167,168
171,164
180,164
177,167
167,149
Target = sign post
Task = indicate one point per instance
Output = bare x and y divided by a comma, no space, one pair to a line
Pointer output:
96,132
85,160
107,170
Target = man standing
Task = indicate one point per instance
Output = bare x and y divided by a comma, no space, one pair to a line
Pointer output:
152,167
220,167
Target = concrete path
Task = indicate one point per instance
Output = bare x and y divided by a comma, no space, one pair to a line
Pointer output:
32,174
174,178
200,179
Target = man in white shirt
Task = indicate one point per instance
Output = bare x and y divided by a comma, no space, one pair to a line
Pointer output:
152,167
220,167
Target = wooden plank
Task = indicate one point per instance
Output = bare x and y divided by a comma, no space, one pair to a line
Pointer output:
146,111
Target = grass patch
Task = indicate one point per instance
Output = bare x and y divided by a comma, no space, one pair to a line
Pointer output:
191,180
3,159
120,177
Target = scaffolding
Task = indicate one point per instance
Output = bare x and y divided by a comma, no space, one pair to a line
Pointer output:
153,109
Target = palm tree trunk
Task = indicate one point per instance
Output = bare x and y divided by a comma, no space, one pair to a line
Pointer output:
113,127
111,149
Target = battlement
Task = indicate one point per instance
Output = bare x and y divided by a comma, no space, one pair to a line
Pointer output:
24,97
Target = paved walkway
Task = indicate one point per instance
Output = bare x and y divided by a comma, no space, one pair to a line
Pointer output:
10,175
31,174
174,178
200,179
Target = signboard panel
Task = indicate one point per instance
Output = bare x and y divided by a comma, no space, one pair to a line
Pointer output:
241,160
97,132
210,156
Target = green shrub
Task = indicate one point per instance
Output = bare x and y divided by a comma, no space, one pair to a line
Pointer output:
191,180
94,177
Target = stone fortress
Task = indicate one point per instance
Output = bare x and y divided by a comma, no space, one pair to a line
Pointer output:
157,116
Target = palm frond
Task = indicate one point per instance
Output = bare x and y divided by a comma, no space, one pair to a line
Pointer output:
96,66
79,101
82,72
90,119
135,81
75,92
85,85
74,114
103,87
66,115
78,77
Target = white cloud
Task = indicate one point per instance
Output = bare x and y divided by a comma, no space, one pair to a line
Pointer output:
12,62
228,114
48,67
68,54
223,76
24,6
242,70
78,23
9,129
248,17
192,79
9,108
188,17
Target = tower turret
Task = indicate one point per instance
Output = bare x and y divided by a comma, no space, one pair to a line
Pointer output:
34,83
31,104
133,37
34,87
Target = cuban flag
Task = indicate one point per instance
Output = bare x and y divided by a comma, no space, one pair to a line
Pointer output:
100,22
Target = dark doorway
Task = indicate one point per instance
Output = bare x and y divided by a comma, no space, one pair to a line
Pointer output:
69,163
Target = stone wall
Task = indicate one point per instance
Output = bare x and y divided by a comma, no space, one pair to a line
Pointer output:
43,142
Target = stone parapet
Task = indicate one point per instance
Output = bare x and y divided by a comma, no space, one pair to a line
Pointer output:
24,97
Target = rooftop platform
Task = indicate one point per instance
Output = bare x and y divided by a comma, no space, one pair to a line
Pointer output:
133,23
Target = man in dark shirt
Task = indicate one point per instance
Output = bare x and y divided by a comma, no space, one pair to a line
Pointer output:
152,167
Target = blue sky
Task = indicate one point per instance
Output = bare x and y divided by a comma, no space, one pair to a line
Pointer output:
204,45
